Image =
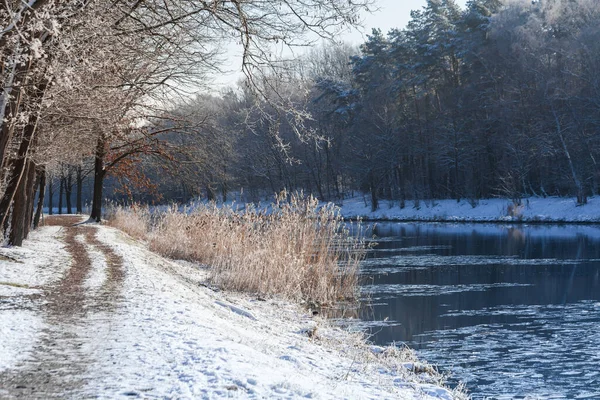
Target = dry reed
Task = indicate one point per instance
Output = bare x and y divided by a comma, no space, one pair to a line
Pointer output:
295,249
135,220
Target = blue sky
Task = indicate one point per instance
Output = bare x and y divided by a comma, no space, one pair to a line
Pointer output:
390,14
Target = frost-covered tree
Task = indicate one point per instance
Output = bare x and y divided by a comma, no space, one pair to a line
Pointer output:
168,44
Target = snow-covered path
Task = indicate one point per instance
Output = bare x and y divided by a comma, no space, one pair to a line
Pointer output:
57,363
101,316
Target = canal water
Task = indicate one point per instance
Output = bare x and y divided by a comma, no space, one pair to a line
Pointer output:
512,311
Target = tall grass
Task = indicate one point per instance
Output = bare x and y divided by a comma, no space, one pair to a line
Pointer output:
134,220
295,250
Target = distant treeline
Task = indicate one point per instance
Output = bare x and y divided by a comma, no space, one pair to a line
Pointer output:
499,99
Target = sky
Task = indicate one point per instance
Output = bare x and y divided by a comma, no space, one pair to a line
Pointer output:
390,14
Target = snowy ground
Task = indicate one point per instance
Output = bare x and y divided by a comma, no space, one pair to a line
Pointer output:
87,312
534,209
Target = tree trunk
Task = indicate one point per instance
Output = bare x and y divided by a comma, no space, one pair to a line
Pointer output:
40,203
456,188
581,196
18,165
19,73
32,183
224,187
79,202
21,206
373,187
50,198
60,195
99,173
210,192
69,190
17,217
10,106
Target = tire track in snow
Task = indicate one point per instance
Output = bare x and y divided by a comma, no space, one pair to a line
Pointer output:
115,273
58,366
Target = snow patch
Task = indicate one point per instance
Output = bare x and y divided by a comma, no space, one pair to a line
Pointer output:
19,330
97,275
41,260
23,271
533,209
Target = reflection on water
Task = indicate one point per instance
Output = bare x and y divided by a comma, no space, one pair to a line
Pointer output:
513,312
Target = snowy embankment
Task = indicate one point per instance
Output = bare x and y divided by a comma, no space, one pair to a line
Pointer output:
532,210
155,331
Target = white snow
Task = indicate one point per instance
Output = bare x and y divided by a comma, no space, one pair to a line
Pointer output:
23,271
97,275
168,336
533,209
46,259
563,231
19,330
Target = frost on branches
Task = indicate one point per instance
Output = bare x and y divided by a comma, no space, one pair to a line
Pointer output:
79,76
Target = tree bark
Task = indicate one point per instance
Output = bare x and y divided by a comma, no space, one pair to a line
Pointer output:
17,167
224,187
99,173
373,188
21,207
210,192
60,195
17,217
581,196
10,106
50,198
40,203
32,183
79,202
69,190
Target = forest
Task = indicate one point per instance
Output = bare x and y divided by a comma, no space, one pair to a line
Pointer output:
499,99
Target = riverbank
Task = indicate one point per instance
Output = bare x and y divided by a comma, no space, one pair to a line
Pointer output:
532,210
86,311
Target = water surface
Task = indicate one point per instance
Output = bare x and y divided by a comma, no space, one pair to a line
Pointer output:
514,312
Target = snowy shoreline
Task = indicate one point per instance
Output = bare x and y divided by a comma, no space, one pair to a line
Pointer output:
474,221
170,336
533,210
550,210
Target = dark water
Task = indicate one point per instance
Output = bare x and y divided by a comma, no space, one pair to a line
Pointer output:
514,312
